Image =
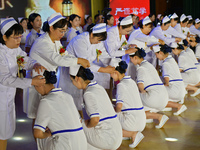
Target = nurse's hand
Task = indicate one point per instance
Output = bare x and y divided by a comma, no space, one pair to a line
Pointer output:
178,40
38,81
131,50
37,67
83,62
161,42
108,69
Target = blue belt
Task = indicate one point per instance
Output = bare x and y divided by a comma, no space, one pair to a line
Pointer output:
175,80
153,85
128,109
106,118
68,130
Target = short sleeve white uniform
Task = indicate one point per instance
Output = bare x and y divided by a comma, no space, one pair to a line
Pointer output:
8,84
156,95
31,37
176,88
107,134
132,116
58,112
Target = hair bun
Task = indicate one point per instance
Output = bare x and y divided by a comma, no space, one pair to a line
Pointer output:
197,39
120,18
185,42
180,46
167,48
123,65
141,52
50,77
89,74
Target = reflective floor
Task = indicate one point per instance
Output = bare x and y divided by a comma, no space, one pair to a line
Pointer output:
179,133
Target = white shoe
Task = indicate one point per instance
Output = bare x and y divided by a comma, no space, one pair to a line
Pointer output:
182,101
126,138
196,93
167,109
181,110
138,139
149,120
162,122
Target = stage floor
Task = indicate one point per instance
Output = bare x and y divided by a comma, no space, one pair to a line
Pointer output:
179,133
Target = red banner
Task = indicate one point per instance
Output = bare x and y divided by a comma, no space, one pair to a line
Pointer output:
123,8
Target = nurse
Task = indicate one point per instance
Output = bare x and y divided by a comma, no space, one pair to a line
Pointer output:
57,126
109,21
129,108
74,23
10,37
187,68
88,20
172,77
48,51
34,24
194,43
180,27
194,28
102,127
153,93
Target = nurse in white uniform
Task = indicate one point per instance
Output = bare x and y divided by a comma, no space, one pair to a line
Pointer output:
194,28
58,113
34,24
46,50
102,127
153,93
187,68
74,21
129,107
88,20
194,43
172,78
109,21
10,38
180,27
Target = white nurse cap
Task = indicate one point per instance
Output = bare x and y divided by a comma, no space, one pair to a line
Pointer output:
34,73
126,21
173,45
19,19
54,18
146,20
183,17
99,28
73,70
86,16
6,24
165,19
189,17
174,16
197,20
156,48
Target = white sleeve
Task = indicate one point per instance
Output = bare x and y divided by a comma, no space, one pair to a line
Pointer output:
112,48
140,76
120,93
181,63
70,36
165,69
178,28
197,52
43,116
7,79
91,105
175,33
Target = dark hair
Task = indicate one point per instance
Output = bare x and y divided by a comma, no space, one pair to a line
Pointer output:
190,21
108,18
102,36
151,14
132,15
185,20
165,49
60,24
16,29
176,19
71,18
185,42
180,47
140,53
84,73
23,20
122,67
97,15
31,18
166,22
141,25
197,39
87,19
50,77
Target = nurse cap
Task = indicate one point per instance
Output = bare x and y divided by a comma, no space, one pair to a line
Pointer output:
86,16
6,24
54,18
156,48
183,17
174,16
126,21
189,17
19,19
99,28
173,45
146,20
73,70
197,20
165,19
34,73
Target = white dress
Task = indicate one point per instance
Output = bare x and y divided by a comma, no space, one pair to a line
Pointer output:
176,88
47,54
23,40
8,84
190,73
107,134
58,112
132,116
156,95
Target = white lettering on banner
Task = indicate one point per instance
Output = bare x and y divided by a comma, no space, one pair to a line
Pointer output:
142,10
117,20
135,10
128,11
118,10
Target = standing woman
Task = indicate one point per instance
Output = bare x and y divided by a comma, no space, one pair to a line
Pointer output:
34,24
102,127
23,22
74,23
129,105
88,20
47,51
10,37
109,21
79,28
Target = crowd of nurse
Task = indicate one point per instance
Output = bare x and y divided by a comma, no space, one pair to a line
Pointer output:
68,74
